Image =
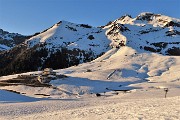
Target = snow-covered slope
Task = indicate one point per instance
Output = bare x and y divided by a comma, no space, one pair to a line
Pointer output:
148,31
144,76
118,69
157,20
9,40
62,45
126,82
66,44
97,109
72,36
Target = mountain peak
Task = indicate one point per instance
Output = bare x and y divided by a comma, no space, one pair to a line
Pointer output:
158,19
63,22
145,16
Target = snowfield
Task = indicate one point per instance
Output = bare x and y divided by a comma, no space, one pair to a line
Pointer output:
97,109
71,36
126,83
143,75
157,109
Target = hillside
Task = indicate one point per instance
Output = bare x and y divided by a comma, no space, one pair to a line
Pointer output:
148,31
135,70
130,84
10,40
66,44
62,45
130,72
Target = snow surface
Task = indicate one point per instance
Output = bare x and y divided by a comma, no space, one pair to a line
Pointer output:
71,36
157,20
10,97
145,75
144,32
156,109
7,41
4,47
130,80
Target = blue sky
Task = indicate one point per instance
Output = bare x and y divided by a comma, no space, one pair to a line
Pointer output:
30,16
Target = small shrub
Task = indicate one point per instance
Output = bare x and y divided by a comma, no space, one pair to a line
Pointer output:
88,70
98,95
85,26
91,37
71,28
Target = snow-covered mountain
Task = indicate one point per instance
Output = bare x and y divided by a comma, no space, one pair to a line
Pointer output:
9,40
60,46
148,31
72,36
66,44
134,76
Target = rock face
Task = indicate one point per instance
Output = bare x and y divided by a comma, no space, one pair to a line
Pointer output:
66,44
